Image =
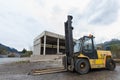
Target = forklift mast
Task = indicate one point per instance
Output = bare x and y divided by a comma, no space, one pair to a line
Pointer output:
69,40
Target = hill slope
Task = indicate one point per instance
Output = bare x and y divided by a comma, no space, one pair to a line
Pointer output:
4,50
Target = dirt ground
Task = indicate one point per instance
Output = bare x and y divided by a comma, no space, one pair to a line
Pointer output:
19,71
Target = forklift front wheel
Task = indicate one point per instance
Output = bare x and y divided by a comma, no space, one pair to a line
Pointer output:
82,66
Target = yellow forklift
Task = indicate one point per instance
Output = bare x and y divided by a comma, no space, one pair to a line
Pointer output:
81,55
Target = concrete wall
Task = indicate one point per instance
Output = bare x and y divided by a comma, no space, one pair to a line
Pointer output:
36,47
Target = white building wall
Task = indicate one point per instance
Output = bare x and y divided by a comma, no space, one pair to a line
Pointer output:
37,47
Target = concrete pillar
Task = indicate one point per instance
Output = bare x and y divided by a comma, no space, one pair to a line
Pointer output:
34,50
44,48
58,46
40,46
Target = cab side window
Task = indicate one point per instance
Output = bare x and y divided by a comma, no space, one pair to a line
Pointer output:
87,46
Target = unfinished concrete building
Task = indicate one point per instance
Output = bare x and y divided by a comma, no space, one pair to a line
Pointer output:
49,43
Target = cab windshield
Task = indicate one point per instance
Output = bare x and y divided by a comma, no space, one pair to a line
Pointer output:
77,46
87,43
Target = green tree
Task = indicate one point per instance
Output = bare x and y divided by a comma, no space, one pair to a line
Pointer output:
3,51
115,49
27,54
24,50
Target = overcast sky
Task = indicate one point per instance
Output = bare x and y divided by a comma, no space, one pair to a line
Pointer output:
23,20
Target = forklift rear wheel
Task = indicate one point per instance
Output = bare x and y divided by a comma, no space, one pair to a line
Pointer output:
82,66
110,64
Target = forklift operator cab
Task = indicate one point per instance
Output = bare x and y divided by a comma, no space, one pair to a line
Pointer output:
85,45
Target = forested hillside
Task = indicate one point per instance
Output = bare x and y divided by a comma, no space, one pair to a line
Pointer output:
113,46
4,50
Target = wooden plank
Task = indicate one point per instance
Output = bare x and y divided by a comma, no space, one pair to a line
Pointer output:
47,71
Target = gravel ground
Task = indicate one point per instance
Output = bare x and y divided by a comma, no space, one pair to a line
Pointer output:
19,71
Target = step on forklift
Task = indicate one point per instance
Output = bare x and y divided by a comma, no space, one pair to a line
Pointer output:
81,55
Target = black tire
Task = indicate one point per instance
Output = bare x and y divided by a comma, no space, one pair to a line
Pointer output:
110,64
82,66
